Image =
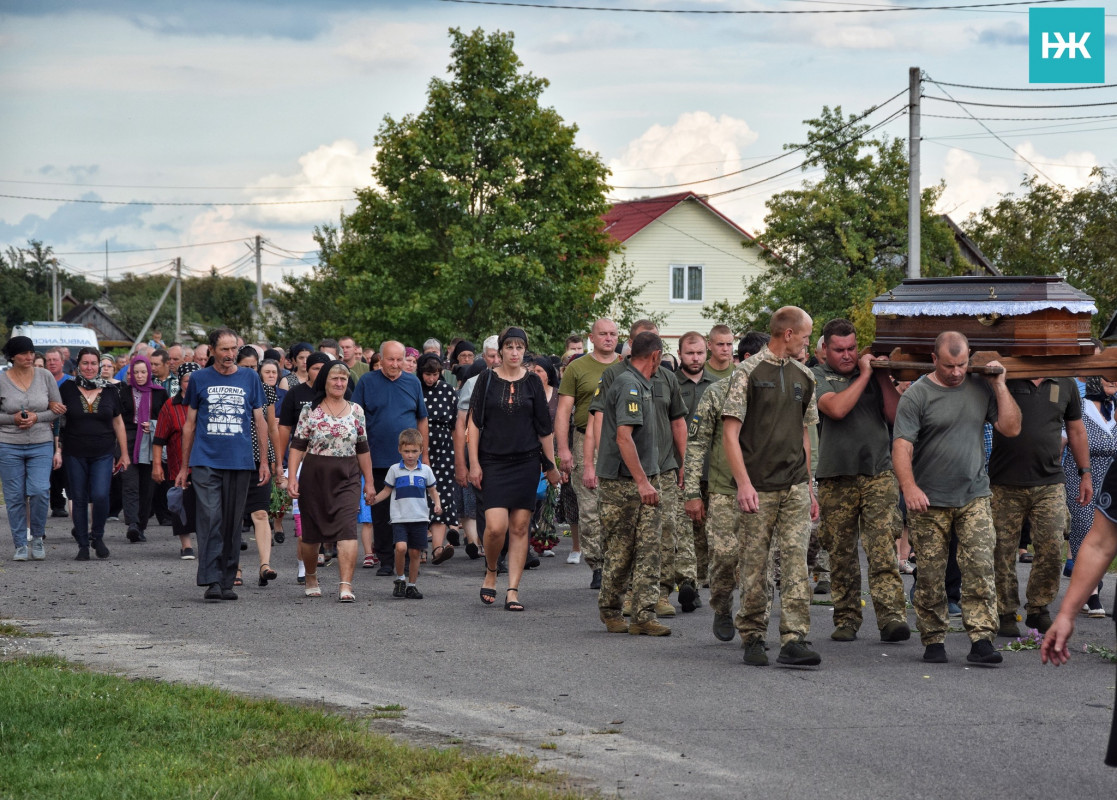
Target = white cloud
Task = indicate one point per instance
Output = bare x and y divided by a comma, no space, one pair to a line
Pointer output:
374,44
327,172
967,190
853,37
1072,169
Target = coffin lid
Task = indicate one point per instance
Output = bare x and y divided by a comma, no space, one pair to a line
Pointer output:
982,295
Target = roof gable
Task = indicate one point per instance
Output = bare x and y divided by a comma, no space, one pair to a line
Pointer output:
625,220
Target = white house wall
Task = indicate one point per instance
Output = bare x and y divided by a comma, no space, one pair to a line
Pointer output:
689,234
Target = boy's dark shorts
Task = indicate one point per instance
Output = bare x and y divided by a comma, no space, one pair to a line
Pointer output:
414,533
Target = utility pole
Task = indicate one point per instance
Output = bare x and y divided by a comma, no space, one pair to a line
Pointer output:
54,291
914,85
259,287
178,300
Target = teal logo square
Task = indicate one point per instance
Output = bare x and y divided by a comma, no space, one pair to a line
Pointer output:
1066,45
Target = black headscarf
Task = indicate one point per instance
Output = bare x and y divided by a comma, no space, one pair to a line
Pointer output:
184,369
423,365
16,345
461,347
323,375
1096,392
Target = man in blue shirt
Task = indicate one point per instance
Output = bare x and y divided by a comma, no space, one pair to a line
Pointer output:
222,401
393,402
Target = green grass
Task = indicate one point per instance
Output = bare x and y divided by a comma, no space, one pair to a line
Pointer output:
17,631
69,732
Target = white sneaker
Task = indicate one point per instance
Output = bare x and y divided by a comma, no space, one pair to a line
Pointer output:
38,549
575,557
548,554
21,554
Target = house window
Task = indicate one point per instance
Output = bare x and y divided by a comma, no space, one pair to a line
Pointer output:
686,283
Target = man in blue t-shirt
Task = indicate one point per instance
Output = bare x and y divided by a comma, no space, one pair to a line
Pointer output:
393,402
222,401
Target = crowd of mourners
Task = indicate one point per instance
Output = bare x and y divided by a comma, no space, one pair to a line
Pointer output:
751,467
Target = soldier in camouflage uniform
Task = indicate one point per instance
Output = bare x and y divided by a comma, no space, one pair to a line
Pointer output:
670,421
939,458
628,459
767,409
857,491
1026,473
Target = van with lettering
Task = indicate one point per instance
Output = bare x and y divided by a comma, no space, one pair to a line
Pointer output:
57,334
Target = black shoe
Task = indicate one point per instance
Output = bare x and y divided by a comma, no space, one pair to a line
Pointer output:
688,597
983,654
472,550
143,537
413,593
723,627
454,537
822,587
58,512
243,543
532,561
595,581
228,594
754,652
935,653
278,537
384,570
100,549
1008,626
133,534
74,533
895,631
213,592
300,580
399,587
796,654
83,554
1041,621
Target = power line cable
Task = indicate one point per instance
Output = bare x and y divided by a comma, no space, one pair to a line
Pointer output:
151,249
1018,119
149,203
949,99
756,11
1026,132
1008,158
1028,88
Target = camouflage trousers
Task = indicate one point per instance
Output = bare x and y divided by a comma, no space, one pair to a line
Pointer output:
632,548
697,531
862,507
589,520
1046,509
929,532
676,560
784,519
724,532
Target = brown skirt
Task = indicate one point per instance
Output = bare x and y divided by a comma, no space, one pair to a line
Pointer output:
329,496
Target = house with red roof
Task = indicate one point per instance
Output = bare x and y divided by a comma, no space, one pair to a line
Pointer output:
687,253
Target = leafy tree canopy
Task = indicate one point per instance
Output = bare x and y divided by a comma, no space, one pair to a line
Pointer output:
835,243
485,214
1051,230
25,278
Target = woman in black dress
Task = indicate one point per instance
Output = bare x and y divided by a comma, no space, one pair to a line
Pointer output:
442,412
141,400
510,439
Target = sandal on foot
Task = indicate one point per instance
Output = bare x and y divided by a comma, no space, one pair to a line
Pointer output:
488,596
313,591
345,595
513,605
444,552
239,581
267,574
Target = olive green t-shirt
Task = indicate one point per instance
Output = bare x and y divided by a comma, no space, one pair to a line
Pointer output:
580,382
628,401
669,406
859,443
774,400
945,426
721,373
692,391
1035,457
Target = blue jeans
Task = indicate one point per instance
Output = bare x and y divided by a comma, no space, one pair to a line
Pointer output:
89,482
25,472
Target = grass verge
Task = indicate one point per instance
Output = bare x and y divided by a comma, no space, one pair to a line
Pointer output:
69,732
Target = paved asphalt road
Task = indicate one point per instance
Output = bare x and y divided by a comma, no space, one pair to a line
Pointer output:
636,717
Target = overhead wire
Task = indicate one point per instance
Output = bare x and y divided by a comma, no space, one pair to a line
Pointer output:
950,99
753,11
151,203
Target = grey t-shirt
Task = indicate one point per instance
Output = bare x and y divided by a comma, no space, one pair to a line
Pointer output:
946,429
858,444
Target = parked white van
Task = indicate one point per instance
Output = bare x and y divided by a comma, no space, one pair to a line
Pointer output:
57,334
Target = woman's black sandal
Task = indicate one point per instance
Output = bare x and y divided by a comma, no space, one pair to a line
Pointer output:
488,596
513,605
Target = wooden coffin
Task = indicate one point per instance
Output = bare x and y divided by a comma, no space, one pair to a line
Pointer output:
1013,316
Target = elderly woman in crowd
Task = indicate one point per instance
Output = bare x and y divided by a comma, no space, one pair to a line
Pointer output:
181,502
107,369
331,446
141,400
29,404
258,502
442,411
510,438
92,434
410,360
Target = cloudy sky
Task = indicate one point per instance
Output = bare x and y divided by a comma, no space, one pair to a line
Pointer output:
178,112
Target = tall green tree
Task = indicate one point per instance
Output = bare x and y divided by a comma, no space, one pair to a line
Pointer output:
485,214
25,284
835,243
1052,230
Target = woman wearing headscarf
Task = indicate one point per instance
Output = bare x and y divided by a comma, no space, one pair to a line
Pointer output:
182,503
92,435
141,400
300,352
442,412
258,502
510,438
29,404
331,446
410,359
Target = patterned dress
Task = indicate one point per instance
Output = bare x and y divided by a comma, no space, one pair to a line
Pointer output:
442,413
1102,437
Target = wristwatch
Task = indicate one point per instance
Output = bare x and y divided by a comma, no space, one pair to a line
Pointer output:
1082,472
